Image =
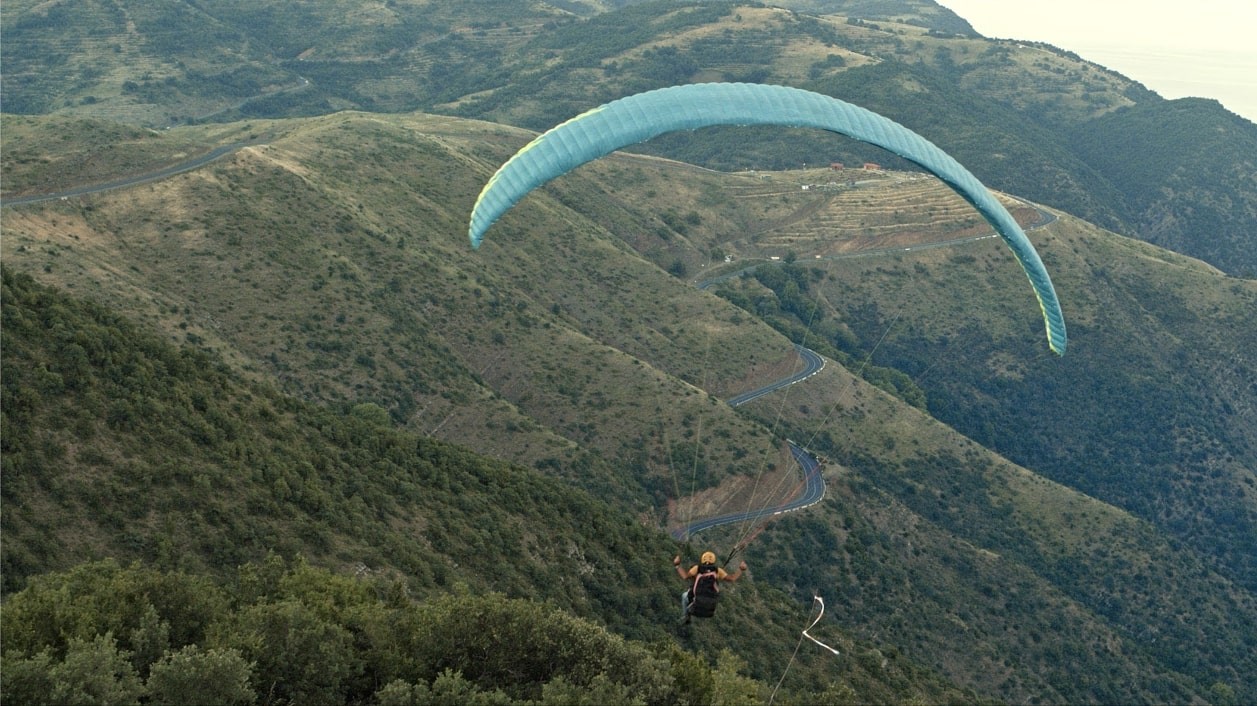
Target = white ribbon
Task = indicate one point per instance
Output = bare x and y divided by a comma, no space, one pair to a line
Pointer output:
820,600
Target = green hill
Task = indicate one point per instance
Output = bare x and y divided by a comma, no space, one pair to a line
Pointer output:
117,444
308,322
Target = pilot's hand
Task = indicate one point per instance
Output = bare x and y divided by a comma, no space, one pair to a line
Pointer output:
742,566
676,561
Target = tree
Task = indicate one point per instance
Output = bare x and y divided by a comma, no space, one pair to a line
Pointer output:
95,672
190,675
299,657
600,691
448,689
732,688
26,680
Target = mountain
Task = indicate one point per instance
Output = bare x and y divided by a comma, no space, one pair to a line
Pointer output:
1026,117
308,335
270,336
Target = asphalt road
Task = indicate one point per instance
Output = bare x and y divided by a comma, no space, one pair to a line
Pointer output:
185,166
813,363
813,492
813,485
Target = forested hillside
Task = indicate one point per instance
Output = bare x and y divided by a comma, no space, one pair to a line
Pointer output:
118,445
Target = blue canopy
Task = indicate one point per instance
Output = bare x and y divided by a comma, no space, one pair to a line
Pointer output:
640,117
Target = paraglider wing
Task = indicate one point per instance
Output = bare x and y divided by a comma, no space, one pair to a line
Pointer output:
640,117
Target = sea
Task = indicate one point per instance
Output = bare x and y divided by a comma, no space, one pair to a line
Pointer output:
1227,75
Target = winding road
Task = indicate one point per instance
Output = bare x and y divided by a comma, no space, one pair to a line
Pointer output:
178,168
813,485
813,492
813,363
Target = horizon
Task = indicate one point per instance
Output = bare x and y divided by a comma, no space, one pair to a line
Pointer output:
1206,53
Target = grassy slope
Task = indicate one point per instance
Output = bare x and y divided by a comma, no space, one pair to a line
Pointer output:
405,315
281,261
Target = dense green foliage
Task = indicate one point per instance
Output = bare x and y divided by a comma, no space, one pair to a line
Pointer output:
278,633
1184,194
1114,421
788,307
115,443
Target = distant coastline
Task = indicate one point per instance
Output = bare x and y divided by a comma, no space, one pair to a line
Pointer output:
1228,75
1203,49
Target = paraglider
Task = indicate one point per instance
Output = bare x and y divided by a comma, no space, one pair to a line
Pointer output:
640,117
701,598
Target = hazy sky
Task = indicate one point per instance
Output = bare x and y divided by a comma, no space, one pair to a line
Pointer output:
1202,48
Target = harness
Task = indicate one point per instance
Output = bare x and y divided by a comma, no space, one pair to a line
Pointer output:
705,592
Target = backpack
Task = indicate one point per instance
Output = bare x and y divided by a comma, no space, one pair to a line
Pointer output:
706,591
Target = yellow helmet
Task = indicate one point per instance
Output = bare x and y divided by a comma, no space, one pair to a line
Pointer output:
708,558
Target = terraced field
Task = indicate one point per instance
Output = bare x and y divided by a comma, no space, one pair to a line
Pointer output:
822,212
